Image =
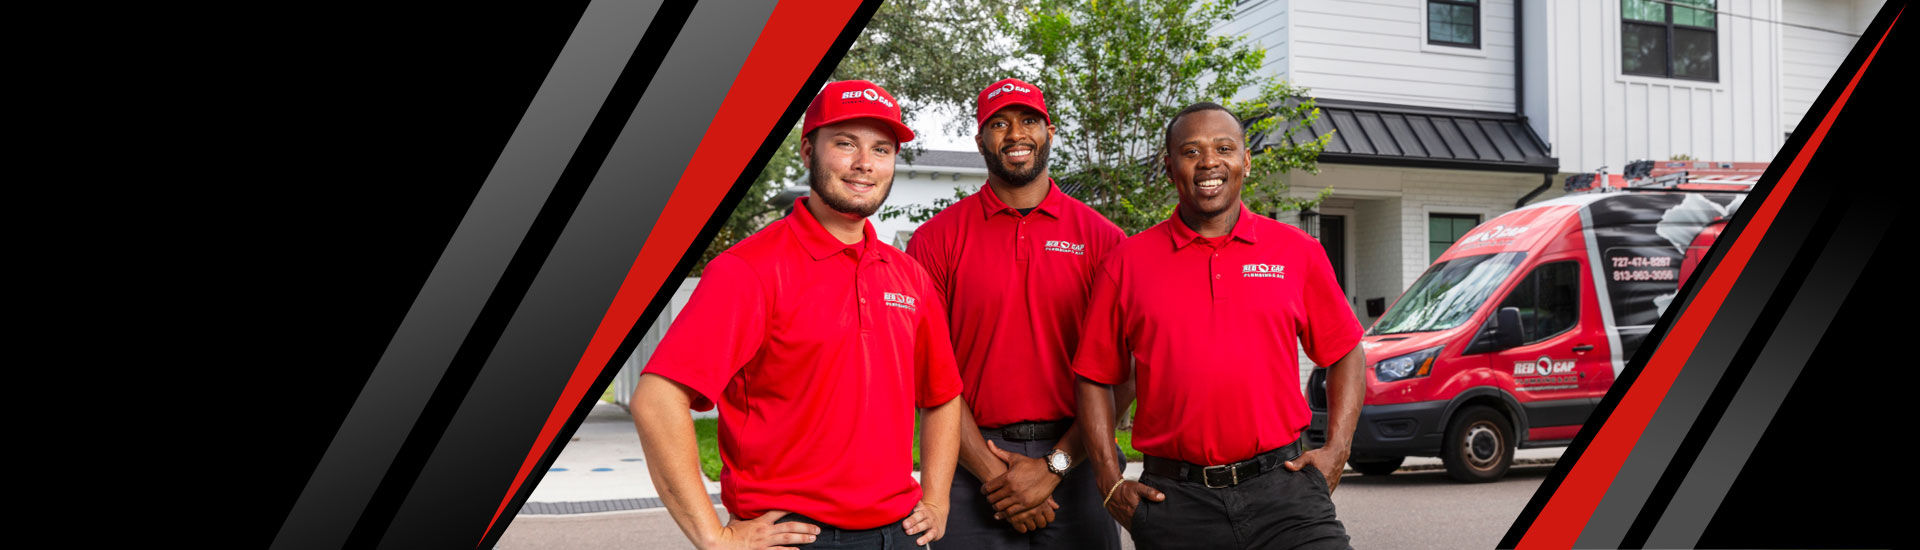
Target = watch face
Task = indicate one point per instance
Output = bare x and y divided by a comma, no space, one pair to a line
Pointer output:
1058,461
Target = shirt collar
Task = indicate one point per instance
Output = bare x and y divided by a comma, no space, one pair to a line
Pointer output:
1183,235
991,203
819,243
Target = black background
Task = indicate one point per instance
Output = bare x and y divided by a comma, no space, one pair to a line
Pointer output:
239,204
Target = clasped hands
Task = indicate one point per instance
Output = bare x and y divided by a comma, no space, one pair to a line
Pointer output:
1023,493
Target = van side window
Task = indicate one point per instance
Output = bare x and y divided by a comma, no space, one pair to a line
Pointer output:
1548,300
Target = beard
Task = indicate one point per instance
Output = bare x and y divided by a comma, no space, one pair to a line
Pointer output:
823,188
998,167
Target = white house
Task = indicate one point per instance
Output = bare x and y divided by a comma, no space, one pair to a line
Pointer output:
1448,112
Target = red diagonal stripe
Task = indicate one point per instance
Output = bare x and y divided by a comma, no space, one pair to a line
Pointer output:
1566,514
791,45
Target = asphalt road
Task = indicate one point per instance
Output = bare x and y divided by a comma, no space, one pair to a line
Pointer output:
1406,510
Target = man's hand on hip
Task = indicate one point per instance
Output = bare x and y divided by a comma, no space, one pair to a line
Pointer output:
1330,462
1128,497
762,532
929,518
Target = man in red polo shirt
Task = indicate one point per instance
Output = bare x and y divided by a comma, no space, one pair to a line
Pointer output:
1208,306
1014,263
817,341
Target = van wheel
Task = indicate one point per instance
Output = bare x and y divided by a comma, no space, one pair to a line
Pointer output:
1376,466
1479,446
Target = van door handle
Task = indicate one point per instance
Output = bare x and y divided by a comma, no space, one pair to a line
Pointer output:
1583,348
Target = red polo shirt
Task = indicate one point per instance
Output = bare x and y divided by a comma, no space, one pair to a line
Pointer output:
1016,289
817,353
1212,327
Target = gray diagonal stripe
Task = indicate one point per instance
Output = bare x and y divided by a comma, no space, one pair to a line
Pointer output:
1608,525
477,255
1788,349
488,437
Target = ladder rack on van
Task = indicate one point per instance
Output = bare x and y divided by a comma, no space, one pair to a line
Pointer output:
1672,175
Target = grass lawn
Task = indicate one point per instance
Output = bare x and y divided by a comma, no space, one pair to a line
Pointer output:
707,430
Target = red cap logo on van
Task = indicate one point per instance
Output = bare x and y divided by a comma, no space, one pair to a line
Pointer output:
1499,234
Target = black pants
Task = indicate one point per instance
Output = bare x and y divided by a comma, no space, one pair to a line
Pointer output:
1080,522
1279,509
886,537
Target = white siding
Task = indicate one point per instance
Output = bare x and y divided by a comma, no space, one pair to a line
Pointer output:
1808,57
1597,116
1390,209
1376,50
922,185
1264,23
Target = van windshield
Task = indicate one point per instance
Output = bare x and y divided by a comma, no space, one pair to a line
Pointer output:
1448,293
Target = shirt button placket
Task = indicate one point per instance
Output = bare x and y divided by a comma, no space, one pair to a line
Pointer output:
1213,263
860,294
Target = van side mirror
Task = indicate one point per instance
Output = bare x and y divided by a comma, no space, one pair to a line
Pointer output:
1507,330
1502,331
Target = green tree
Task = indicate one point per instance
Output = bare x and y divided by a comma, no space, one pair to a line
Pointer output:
1117,72
1114,74
927,53
758,207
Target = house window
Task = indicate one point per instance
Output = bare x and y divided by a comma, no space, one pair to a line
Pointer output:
1669,39
1453,23
1444,229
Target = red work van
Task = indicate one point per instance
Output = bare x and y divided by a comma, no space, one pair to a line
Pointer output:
1514,334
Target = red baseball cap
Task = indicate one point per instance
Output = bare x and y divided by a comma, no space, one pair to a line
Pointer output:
1007,92
851,99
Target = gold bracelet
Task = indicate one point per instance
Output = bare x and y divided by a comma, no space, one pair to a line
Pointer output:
1116,487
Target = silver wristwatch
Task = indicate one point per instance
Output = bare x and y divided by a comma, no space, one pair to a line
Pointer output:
1058,462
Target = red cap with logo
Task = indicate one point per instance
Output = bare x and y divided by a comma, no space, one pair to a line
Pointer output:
1007,92
851,99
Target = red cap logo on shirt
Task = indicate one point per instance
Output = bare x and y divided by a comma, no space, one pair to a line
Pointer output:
899,300
1270,271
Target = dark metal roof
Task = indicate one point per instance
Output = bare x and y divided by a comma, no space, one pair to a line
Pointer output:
1385,134
948,159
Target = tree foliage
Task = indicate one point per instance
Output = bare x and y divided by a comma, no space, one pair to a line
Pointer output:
758,207
1115,72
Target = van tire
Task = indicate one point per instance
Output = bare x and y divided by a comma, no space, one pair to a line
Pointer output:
1376,466
1479,445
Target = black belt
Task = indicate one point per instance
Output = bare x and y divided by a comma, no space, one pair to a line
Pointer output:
1221,477
1030,431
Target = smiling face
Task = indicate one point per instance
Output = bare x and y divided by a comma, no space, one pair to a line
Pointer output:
1208,163
850,165
1015,143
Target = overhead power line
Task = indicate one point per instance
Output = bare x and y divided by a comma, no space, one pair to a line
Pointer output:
1743,16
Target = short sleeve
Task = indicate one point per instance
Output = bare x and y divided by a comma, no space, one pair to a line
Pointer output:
1329,330
936,372
928,246
719,331
1101,357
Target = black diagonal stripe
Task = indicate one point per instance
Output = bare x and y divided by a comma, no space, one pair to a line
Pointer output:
635,75
472,268
1727,352
496,417
691,256
1745,405
1719,344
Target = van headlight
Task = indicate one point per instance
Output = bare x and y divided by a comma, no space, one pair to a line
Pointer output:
1402,367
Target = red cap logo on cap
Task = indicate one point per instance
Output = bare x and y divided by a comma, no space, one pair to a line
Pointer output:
1008,92
850,99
